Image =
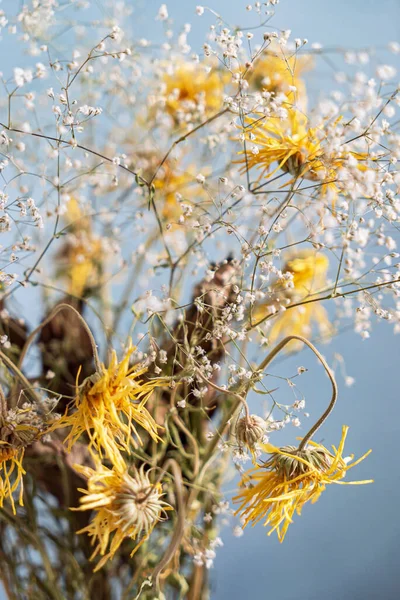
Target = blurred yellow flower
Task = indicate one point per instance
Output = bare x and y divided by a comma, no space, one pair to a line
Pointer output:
108,407
308,270
124,507
81,257
169,183
277,73
288,480
298,321
192,88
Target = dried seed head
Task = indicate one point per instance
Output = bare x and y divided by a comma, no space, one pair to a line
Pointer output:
291,467
250,430
20,427
138,504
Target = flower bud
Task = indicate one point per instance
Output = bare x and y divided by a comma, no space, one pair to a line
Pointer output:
250,430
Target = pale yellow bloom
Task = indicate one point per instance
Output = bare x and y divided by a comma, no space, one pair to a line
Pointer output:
81,257
169,182
277,73
124,507
309,270
274,491
110,408
192,87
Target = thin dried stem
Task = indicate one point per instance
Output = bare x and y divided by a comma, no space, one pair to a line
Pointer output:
20,376
47,320
263,365
180,525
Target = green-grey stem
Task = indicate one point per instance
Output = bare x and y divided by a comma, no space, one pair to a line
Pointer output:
3,403
180,526
20,376
328,411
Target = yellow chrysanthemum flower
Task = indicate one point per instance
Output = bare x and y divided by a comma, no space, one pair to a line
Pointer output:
308,270
109,406
81,257
194,88
124,507
277,73
300,151
19,428
288,480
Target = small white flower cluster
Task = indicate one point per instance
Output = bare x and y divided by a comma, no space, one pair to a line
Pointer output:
206,557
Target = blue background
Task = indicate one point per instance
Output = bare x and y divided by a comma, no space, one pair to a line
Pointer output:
347,545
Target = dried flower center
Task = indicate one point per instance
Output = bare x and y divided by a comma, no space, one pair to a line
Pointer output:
290,467
138,505
21,427
142,496
295,163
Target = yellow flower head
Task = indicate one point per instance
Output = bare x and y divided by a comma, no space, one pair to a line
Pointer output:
110,405
194,88
124,507
301,151
169,183
174,178
81,257
19,428
277,73
308,270
289,479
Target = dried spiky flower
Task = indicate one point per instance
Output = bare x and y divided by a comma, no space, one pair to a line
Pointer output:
302,151
125,506
109,405
19,428
289,479
250,430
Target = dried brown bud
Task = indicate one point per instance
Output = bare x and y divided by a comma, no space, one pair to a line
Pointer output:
250,430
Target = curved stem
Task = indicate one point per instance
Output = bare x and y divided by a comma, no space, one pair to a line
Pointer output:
53,313
3,404
325,415
20,376
196,461
178,533
225,391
